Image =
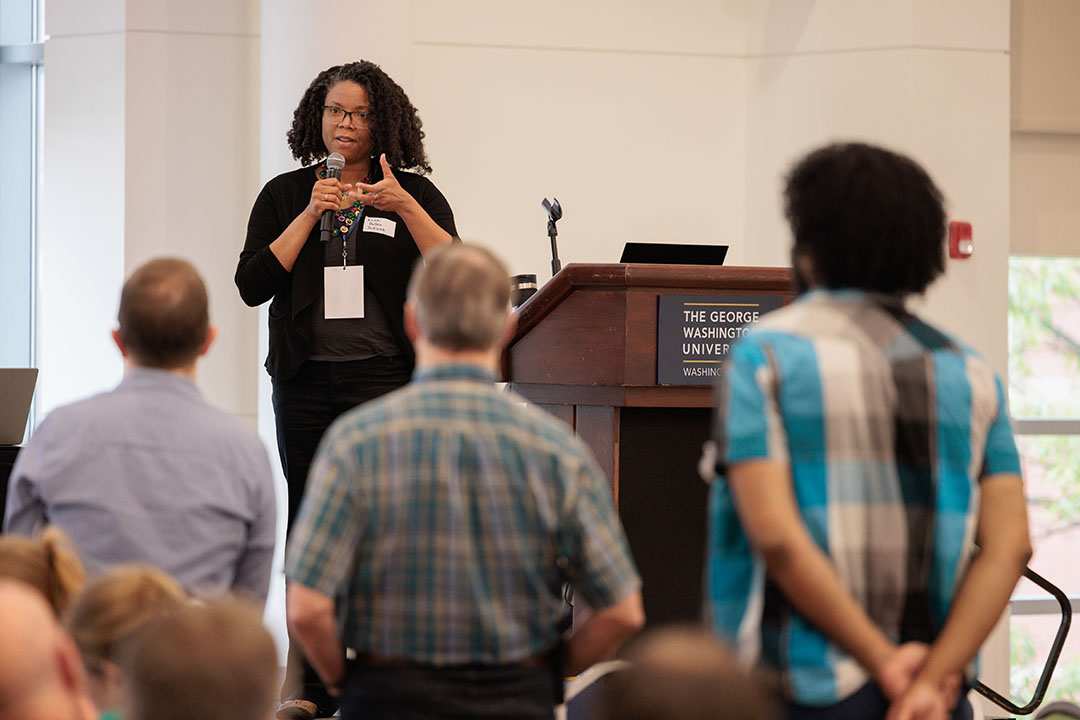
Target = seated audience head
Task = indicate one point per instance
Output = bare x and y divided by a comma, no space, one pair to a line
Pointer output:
41,677
459,301
164,318
108,614
684,674
213,662
48,563
864,217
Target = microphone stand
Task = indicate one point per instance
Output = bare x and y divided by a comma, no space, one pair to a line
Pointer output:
556,266
554,212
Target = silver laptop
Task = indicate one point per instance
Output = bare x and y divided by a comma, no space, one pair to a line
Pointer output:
16,394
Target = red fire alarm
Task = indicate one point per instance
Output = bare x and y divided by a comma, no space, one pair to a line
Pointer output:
961,245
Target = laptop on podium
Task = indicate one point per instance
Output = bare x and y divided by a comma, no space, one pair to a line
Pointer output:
673,253
16,394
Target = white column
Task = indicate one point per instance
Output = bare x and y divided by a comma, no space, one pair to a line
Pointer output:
928,79
81,241
151,139
151,144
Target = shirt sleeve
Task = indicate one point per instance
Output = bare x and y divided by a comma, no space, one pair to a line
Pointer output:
437,207
1000,455
746,422
259,274
25,513
253,570
599,564
326,533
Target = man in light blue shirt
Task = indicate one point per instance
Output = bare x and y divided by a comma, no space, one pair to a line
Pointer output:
150,472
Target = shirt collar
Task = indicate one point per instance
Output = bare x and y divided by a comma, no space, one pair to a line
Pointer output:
850,295
454,371
146,377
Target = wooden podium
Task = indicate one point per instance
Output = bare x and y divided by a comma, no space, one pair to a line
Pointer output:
585,350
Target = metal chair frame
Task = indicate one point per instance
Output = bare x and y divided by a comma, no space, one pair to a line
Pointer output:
1051,659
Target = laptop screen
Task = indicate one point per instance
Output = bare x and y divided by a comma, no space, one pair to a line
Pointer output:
16,394
673,253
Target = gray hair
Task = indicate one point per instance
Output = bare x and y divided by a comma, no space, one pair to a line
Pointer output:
461,295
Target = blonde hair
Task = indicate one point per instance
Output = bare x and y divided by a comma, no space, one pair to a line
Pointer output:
48,562
116,605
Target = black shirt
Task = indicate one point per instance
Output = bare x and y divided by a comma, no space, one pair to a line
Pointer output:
388,263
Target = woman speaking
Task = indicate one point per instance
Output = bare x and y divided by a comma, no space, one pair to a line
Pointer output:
337,336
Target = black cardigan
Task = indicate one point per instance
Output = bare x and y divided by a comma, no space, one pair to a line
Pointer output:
388,263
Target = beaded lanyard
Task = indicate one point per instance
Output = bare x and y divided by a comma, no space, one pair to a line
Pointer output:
345,218
349,215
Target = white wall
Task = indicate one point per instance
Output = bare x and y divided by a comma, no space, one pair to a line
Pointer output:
151,134
81,249
1045,176
192,129
631,113
151,148
927,79
1046,127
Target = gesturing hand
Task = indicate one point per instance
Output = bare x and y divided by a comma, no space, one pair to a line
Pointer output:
328,194
387,194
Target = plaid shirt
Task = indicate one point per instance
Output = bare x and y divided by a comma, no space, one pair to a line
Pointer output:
887,426
450,514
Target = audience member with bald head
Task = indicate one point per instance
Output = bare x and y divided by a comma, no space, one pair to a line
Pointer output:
211,662
684,674
150,472
41,677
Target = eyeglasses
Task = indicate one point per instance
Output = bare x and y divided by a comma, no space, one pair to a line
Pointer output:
359,118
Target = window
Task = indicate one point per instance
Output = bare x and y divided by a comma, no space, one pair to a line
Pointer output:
21,79
1044,398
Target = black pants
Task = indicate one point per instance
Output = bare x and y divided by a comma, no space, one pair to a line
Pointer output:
474,692
304,407
867,703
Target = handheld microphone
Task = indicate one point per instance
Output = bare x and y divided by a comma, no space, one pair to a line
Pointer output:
334,164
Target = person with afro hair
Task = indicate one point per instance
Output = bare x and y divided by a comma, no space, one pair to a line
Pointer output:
336,318
867,521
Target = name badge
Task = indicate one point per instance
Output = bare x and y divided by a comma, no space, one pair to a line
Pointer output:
381,225
343,292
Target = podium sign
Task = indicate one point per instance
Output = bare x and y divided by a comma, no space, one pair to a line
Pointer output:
695,332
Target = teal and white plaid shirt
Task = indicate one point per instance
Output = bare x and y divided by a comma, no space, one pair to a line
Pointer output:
887,426
449,514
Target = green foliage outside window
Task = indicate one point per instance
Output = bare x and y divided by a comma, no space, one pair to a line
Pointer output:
1044,367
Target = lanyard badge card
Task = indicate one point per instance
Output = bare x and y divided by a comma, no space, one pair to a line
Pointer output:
343,288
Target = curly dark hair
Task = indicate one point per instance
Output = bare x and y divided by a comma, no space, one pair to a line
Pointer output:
396,130
866,218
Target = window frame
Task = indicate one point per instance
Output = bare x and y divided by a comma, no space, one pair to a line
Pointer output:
22,62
